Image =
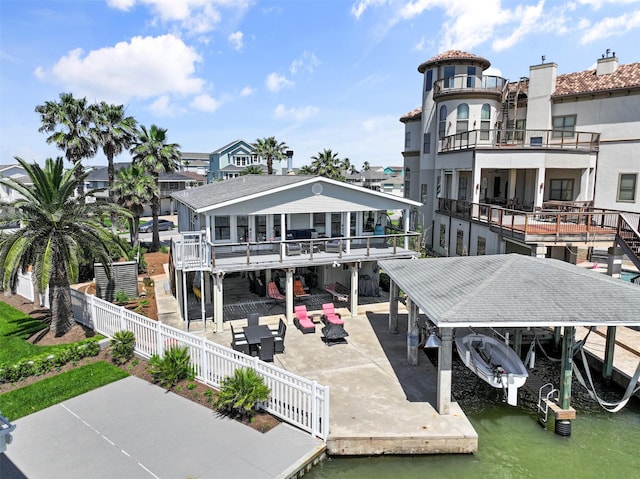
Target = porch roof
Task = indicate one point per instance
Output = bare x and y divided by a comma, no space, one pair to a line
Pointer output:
238,190
514,291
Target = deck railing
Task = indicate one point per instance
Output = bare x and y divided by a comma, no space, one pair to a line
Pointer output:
294,399
575,140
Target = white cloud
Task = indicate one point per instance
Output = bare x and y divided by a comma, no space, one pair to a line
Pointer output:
296,114
121,4
306,63
205,103
247,91
529,17
358,8
143,68
236,39
277,82
612,26
163,107
420,45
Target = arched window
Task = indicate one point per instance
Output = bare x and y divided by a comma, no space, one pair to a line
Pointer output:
462,120
442,126
485,121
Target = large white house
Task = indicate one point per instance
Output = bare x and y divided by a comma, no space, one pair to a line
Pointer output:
541,165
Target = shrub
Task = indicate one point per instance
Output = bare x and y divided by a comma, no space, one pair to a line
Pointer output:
164,249
240,394
121,297
173,367
122,346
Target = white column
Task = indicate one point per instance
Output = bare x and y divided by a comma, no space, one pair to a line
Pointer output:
218,314
405,225
354,289
475,195
413,333
393,307
584,185
289,295
539,188
444,371
512,183
347,232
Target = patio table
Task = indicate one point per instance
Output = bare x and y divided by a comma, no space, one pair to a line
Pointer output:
255,333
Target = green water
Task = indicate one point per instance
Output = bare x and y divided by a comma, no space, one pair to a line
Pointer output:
511,444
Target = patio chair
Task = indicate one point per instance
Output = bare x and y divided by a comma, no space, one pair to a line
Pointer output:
253,319
330,316
235,335
267,349
298,290
302,321
240,345
292,248
333,246
278,336
274,293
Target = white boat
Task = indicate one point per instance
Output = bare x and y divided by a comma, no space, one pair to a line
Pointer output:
494,362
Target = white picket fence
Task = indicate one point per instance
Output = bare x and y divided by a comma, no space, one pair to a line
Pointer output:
24,287
296,400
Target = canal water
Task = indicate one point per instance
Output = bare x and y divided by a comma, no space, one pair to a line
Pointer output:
511,443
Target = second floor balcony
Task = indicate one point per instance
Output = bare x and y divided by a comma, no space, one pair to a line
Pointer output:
470,84
521,139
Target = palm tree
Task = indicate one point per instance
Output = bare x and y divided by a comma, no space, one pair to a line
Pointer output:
328,164
155,155
270,149
306,170
69,121
133,189
366,166
252,170
56,231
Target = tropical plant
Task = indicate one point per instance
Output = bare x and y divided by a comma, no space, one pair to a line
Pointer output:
114,132
56,232
366,166
241,393
306,170
69,122
133,189
252,170
153,153
123,345
173,367
270,149
328,164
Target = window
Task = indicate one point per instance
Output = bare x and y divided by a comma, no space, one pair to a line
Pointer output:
482,246
462,122
261,228
561,190
459,242
336,224
407,140
564,126
426,145
276,226
368,221
423,194
407,182
449,73
443,235
485,121
242,228
442,126
462,188
222,228
471,77
319,220
429,80
627,186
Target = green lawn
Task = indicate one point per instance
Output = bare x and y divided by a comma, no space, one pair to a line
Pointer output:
35,397
15,328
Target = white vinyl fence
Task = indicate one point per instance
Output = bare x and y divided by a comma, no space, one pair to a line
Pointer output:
296,400
24,287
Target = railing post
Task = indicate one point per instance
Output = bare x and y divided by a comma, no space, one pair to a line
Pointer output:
205,363
313,414
159,342
92,312
123,325
325,414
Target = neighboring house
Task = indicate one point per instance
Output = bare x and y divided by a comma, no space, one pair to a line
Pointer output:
230,160
394,170
169,183
195,163
280,226
512,161
394,185
371,178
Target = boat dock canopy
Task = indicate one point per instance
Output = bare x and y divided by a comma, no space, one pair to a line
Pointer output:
512,290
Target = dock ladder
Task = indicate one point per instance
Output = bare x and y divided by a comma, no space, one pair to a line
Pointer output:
547,391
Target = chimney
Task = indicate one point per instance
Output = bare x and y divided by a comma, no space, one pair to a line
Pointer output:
542,84
607,64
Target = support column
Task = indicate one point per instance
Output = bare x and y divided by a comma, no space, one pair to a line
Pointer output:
393,307
413,333
584,185
218,314
289,295
517,342
406,216
567,363
557,337
610,345
539,188
539,251
444,371
353,267
512,184
614,261
347,231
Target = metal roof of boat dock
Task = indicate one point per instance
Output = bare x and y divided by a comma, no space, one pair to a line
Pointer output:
512,290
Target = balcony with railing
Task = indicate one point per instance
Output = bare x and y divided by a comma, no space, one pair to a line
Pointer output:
192,252
552,223
521,139
469,84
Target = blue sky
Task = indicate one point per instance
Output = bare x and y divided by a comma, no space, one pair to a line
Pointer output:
315,74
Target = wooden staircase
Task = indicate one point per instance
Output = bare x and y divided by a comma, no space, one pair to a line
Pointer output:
628,236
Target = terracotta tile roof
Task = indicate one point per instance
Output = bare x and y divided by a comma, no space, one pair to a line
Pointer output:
412,115
625,76
455,55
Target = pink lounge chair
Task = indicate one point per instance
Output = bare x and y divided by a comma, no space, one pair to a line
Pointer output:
329,315
302,321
